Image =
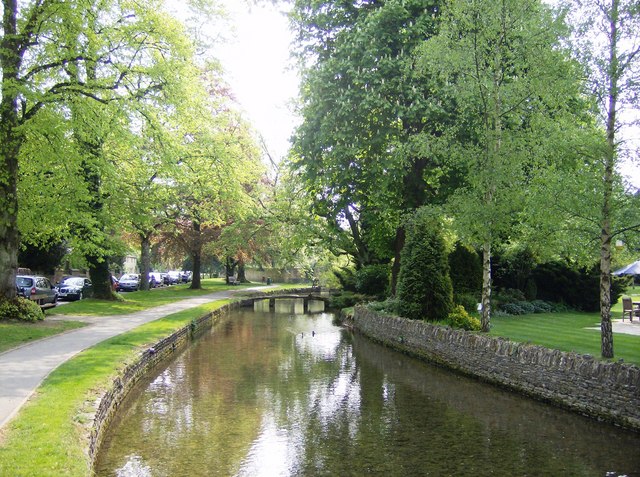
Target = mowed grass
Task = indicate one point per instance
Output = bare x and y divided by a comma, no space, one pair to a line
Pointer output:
569,331
49,436
14,333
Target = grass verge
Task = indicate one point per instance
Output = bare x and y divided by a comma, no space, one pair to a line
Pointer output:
48,437
14,333
569,331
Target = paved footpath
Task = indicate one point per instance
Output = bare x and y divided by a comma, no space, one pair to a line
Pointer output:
24,368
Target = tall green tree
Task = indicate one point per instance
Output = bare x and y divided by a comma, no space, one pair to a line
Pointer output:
59,55
216,167
362,102
424,286
503,68
607,40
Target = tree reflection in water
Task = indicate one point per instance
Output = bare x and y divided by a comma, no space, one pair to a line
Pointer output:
285,394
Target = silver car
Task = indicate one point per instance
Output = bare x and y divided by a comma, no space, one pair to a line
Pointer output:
38,289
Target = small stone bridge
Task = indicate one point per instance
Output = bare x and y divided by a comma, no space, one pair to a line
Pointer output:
306,295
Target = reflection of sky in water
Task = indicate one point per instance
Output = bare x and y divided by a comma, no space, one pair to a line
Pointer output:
161,407
279,448
280,395
272,453
134,467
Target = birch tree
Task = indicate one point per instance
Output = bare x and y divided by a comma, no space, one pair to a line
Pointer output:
607,40
501,64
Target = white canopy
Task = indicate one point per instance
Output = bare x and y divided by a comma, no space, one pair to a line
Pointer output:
631,269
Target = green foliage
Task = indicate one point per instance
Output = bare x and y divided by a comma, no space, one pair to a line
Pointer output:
347,278
362,105
345,299
390,306
42,258
372,280
577,287
459,318
468,300
20,309
465,269
511,268
424,286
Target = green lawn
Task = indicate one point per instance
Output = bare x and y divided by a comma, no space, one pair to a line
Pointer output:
569,331
14,333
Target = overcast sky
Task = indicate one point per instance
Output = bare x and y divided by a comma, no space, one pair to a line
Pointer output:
258,66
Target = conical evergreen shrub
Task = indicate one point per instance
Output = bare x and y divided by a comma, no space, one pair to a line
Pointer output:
424,286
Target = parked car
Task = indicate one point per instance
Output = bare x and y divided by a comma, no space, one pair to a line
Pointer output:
186,276
172,278
74,288
38,289
129,282
155,278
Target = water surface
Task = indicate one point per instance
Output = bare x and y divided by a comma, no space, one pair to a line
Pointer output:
283,394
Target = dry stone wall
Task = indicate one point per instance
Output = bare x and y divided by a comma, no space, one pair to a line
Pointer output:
607,391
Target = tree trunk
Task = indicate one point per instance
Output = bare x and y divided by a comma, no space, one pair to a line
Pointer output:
486,286
196,282
145,260
242,278
608,178
401,235
100,278
229,268
10,142
196,255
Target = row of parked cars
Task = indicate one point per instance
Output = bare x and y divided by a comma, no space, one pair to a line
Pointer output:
131,281
44,293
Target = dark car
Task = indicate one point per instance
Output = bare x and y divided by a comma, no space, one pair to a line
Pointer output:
38,289
74,288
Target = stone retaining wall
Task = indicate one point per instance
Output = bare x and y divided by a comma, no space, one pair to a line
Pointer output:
146,361
607,391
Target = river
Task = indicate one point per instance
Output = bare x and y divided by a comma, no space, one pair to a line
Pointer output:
287,394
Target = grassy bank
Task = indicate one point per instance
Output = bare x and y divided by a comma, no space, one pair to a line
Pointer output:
132,302
48,438
15,333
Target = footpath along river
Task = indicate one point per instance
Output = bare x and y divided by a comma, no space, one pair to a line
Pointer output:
287,394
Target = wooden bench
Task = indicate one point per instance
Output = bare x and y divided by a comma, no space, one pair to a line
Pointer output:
232,280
